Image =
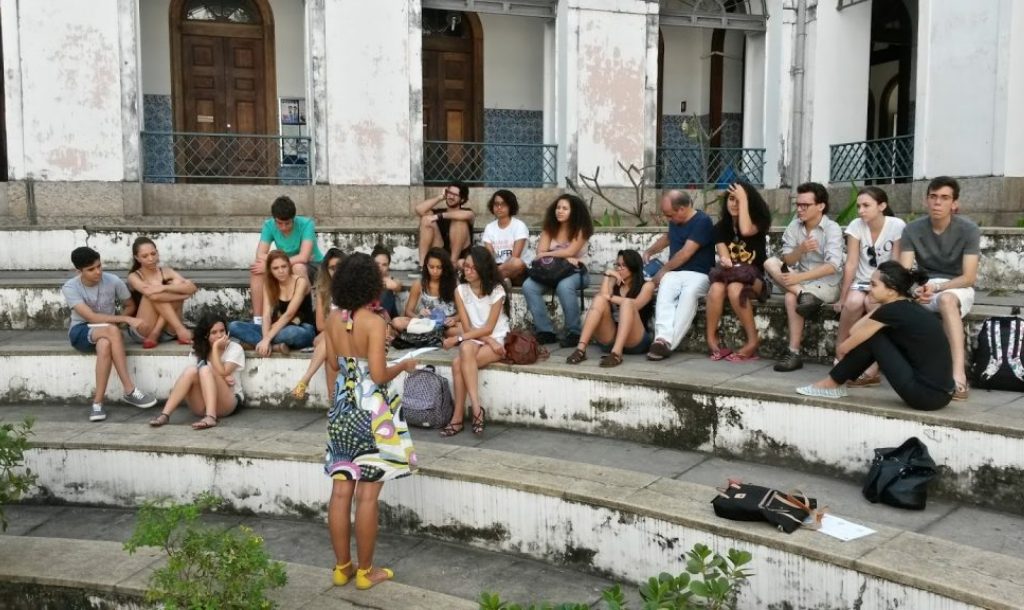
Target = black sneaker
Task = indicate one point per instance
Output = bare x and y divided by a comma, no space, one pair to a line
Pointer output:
546,338
570,340
790,362
807,304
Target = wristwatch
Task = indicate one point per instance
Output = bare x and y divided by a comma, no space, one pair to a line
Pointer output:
460,339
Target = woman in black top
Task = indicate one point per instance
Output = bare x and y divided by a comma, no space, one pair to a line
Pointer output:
904,338
741,242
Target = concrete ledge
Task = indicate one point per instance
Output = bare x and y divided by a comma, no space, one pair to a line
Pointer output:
1001,267
623,523
743,410
57,563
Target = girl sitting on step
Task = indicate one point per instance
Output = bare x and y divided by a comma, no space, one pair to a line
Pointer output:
323,306
433,295
160,293
287,321
483,314
210,382
620,313
905,339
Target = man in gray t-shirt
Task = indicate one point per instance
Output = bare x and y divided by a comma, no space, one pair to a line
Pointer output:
92,296
946,247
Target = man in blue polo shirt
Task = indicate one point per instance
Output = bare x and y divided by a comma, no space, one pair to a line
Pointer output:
294,235
683,280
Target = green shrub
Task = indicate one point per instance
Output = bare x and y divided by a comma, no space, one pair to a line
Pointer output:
14,479
208,568
710,581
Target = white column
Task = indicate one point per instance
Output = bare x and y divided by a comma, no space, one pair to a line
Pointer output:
551,86
778,94
607,85
964,82
373,91
754,98
72,89
1007,151
837,81
316,60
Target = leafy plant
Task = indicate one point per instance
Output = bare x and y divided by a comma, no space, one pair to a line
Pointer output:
14,478
208,568
710,581
849,212
1020,223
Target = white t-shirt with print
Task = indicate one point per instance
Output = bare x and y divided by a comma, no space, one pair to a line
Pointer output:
503,241
887,238
232,353
479,309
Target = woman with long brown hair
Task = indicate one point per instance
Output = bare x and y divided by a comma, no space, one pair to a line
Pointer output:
288,313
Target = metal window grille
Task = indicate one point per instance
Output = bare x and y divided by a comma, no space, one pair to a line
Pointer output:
691,167
881,160
225,158
489,163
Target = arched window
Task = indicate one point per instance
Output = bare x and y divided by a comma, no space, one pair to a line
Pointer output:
224,11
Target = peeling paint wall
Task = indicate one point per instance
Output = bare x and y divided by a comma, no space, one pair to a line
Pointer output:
372,67
70,88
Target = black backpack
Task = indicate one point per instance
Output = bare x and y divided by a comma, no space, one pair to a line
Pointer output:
744,502
997,357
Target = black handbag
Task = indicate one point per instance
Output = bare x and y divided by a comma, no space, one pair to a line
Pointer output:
745,502
899,476
549,270
405,340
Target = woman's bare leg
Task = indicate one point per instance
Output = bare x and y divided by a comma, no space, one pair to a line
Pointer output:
217,394
745,313
339,520
367,524
186,384
714,305
599,324
631,327
475,357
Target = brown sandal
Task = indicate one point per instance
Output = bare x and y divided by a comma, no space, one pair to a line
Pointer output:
452,429
478,422
160,420
609,360
205,423
576,357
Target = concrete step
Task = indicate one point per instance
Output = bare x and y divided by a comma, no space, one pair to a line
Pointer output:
48,572
32,300
231,246
688,402
624,509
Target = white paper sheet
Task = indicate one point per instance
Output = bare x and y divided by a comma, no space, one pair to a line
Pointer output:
413,354
840,528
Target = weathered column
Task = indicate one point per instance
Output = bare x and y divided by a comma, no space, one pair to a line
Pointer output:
607,73
372,79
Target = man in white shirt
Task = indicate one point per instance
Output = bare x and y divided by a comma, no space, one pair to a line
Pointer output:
506,236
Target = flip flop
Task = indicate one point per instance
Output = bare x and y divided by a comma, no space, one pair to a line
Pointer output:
720,353
738,357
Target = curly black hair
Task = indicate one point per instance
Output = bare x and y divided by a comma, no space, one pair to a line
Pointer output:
487,269
508,197
449,280
356,282
579,217
760,215
201,336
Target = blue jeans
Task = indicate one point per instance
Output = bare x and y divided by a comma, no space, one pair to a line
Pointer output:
295,336
568,295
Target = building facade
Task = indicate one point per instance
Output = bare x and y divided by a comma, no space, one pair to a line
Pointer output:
142,108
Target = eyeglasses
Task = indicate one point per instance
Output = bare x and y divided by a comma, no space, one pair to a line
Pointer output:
872,256
804,206
620,266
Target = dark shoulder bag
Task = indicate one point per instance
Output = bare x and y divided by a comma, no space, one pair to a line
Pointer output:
549,270
899,476
745,502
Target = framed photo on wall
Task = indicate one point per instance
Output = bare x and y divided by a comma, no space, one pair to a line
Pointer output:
293,111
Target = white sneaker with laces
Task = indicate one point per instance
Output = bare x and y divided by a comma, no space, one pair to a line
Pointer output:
138,398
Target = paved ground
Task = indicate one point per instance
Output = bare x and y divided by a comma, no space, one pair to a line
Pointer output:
965,524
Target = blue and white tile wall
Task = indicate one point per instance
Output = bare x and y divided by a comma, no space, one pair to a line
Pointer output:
158,151
684,167
513,165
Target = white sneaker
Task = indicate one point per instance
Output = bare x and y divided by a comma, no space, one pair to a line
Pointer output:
810,390
97,413
138,398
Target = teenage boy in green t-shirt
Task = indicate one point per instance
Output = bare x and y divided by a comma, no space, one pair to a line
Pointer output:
294,235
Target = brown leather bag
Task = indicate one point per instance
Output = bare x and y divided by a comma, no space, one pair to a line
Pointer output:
521,347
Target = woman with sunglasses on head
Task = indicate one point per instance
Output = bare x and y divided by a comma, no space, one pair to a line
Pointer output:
903,338
871,239
322,306
620,313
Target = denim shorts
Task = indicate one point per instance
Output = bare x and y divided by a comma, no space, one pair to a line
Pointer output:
79,337
640,348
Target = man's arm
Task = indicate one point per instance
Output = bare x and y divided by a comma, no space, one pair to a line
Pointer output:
305,253
659,244
425,207
457,215
967,277
685,253
261,256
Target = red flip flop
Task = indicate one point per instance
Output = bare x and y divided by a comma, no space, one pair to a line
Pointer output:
720,353
738,357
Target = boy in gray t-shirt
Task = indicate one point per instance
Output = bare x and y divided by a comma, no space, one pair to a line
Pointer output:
946,246
92,296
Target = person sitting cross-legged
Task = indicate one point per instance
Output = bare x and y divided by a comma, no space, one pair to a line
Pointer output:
289,321
903,337
160,293
809,268
620,313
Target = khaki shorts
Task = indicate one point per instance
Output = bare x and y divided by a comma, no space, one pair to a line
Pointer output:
964,295
828,293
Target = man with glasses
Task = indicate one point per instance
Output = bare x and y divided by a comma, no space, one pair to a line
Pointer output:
810,267
684,278
449,227
946,246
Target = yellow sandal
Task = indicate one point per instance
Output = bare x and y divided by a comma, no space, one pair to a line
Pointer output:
363,580
299,392
341,576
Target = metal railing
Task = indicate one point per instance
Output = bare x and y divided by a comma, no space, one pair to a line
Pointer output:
882,160
489,163
225,158
691,167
